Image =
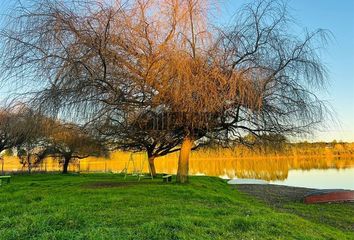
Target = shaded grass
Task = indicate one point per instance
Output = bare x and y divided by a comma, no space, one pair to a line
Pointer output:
105,206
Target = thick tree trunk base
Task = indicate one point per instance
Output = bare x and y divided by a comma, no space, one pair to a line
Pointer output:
2,165
152,166
183,161
65,166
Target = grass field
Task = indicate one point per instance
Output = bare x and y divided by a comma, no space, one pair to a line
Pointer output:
105,206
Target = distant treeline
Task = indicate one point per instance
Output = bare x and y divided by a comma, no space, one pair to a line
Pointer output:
286,149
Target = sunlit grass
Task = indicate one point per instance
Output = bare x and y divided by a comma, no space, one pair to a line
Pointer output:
104,206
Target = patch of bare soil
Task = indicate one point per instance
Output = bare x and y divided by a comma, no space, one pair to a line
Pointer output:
117,184
281,198
274,194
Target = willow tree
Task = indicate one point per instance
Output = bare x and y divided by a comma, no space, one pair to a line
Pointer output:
93,61
97,61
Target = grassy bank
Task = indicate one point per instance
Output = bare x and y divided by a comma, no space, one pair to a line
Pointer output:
109,207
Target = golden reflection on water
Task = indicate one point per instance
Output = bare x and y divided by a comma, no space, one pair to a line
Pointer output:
224,162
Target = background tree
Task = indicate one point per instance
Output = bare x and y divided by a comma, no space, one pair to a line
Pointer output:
68,142
12,130
34,146
93,61
31,155
21,129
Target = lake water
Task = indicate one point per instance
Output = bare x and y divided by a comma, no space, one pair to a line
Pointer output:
301,171
319,178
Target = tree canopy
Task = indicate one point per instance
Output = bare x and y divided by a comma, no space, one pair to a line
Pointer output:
107,64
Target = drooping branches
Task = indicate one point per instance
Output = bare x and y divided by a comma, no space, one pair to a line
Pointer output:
285,68
119,67
16,126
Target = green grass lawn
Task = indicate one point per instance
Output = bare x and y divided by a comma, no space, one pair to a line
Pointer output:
105,206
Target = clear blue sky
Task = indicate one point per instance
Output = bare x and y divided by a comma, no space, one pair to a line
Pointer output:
338,17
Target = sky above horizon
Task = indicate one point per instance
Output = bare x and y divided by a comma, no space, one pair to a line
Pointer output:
338,18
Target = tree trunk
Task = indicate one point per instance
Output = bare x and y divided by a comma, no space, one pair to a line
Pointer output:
66,164
29,164
152,165
183,161
2,165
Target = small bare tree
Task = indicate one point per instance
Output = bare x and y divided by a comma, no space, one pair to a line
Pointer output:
34,145
68,142
12,130
21,128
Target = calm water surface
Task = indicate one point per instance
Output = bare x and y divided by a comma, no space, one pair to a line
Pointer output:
301,171
321,179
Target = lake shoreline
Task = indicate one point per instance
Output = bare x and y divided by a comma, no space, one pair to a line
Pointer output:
289,200
276,195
